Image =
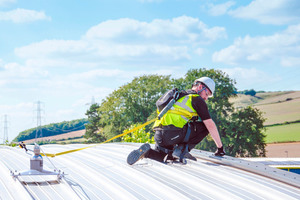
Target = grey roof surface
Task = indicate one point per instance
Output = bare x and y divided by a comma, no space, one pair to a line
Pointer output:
101,172
283,162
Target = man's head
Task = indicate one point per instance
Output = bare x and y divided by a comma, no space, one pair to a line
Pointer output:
204,87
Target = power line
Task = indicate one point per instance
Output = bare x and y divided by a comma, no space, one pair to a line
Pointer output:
92,101
39,132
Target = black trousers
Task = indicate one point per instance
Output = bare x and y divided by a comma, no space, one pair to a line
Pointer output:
169,136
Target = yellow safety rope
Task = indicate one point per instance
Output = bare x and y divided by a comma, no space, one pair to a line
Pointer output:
115,137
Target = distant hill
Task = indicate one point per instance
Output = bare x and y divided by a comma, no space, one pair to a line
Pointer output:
65,136
278,107
52,129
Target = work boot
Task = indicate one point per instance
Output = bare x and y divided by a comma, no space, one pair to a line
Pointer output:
138,154
177,151
180,150
189,156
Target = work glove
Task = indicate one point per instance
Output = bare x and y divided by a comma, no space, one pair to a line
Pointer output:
220,152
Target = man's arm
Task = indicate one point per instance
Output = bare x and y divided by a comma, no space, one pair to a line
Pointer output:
212,129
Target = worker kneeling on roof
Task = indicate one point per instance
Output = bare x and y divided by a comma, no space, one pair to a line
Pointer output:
182,127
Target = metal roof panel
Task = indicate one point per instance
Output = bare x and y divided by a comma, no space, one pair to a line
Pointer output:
101,172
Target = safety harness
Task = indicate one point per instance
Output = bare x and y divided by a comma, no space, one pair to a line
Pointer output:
184,147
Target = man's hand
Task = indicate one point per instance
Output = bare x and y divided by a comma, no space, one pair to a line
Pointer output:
220,152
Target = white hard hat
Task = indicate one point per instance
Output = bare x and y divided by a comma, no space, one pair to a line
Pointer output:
208,82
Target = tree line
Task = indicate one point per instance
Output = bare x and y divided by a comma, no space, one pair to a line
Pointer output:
241,130
251,92
52,129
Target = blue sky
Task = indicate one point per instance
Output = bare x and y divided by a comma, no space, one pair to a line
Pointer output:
64,53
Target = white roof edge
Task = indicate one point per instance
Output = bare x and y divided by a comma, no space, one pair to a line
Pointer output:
286,166
258,159
254,167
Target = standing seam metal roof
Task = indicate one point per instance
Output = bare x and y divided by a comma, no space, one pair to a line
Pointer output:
101,172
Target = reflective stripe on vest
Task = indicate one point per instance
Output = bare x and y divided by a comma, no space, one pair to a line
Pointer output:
181,112
183,104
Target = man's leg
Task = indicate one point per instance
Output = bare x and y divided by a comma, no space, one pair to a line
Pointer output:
198,133
156,154
146,152
161,149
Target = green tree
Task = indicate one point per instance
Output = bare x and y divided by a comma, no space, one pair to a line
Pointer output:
250,92
131,104
138,136
92,128
243,134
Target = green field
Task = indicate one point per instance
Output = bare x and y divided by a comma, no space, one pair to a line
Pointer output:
281,112
277,108
283,133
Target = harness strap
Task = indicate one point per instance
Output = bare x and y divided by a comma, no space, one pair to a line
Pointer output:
185,148
165,150
188,133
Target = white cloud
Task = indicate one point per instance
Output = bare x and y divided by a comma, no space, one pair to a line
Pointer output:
19,117
23,15
181,29
17,107
52,49
3,83
199,51
275,12
278,47
243,73
1,63
290,61
5,2
247,78
97,73
220,9
16,70
126,41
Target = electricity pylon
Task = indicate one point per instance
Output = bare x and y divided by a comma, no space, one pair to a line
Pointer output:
39,132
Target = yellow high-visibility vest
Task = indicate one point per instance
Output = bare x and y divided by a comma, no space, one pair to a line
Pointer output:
181,112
